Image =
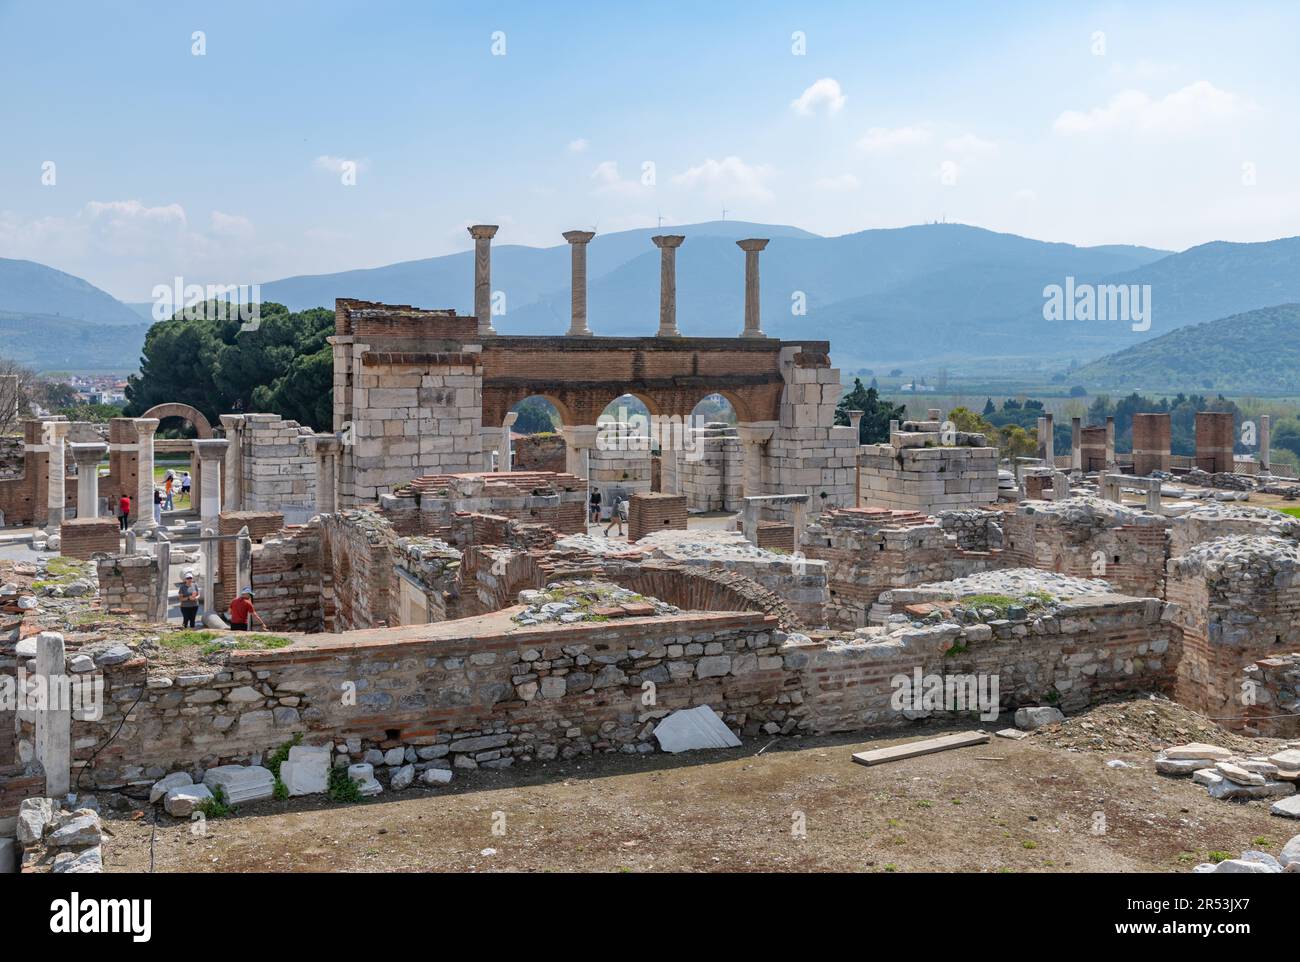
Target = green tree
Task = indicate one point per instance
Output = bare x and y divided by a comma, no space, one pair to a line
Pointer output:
876,413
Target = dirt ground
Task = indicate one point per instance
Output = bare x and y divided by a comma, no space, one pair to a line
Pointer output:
788,805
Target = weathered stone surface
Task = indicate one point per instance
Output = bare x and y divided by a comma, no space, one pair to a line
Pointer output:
84,862
1235,773
693,728
1287,807
34,816
167,783
241,783
1194,750
75,830
1031,718
436,776
306,770
182,800
402,778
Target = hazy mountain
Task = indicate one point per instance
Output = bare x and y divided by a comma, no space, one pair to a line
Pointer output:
30,288
48,343
1257,352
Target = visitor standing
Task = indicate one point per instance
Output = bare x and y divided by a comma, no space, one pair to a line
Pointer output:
189,598
595,506
124,511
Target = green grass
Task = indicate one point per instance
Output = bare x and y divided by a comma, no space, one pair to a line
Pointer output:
206,641
61,572
1293,512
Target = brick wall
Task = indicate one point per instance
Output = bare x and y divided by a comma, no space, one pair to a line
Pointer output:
261,525
539,452
286,579
649,512
128,584
83,537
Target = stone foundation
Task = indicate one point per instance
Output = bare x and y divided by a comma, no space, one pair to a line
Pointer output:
82,538
648,513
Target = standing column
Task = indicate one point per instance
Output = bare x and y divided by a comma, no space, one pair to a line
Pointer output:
668,244
327,450
211,452
1049,440
1265,442
1076,444
232,497
855,419
88,455
751,247
578,440
578,241
1041,431
53,722
483,234
507,459
55,435
142,504
752,439
1110,444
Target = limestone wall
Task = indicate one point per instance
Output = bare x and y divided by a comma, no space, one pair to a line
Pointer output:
128,584
711,473
278,467
908,475
1274,705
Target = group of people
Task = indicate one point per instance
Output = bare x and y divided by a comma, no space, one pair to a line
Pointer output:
164,497
241,609
617,514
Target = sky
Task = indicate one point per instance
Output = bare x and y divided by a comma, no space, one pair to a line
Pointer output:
239,142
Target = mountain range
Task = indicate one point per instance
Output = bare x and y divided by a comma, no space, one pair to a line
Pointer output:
947,294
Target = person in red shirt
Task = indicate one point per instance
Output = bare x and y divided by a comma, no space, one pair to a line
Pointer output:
241,608
124,510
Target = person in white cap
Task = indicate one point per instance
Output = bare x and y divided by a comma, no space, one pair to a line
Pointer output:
189,596
240,610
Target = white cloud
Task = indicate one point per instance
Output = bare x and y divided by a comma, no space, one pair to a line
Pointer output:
1195,107
839,182
579,146
825,92
231,225
729,178
880,139
337,165
968,145
609,181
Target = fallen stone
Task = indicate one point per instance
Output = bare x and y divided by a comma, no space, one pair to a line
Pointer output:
114,655
692,728
1290,854
241,783
1288,807
402,778
363,774
79,829
34,816
307,770
1014,734
1235,773
394,756
1287,759
1196,750
436,776
1237,866
1031,718
167,783
182,800
1226,788
88,861
1182,766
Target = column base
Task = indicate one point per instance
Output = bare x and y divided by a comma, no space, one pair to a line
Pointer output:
668,333
756,335
585,332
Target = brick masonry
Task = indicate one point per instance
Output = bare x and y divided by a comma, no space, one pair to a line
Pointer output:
649,512
82,538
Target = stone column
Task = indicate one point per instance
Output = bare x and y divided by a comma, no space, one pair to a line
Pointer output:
163,555
578,240
327,447
1076,444
1265,442
1049,440
1041,431
507,458
855,420
53,722
243,561
55,436
752,439
88,456
1110,443
211,550
751,247
232,498
211,452
483,234
578,440
668,244
142,504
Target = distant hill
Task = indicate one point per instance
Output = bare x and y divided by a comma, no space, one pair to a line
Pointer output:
47,343
1257,352
30,288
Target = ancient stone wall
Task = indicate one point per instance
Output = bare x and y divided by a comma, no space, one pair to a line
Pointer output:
277,465
260,524
648,513
539,452
84,537
921,469
1206,522
711,474
286,579
358,589
128,584
431,505
23,496
1273,708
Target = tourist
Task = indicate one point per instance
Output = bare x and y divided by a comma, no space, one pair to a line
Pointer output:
595,506
157,505
168,481
240,609
189,598
124,511
618,514
185,487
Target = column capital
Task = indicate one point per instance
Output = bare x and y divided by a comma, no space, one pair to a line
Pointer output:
752,245
145,427
231,421
668,241
57,429
578,236
324,444
483,231
88,452
209,449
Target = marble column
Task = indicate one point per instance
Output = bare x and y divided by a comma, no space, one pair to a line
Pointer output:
855,421
483,234
1265,442
578,241
212,453
142,503
55,435
752,438
1110,444
327,447
232,497
88,455
753,324
668,244
1076,444
53,743
578,440
1049,440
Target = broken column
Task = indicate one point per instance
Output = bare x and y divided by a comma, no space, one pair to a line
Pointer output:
1110,443
483,234
327,448
1092,448
752,438
212,453
1076,444
578,241
55,435
1265,440
54,718
753,322
1152,435
1215,436
668,244
88,455
143,506
1049,440
162,587
578,440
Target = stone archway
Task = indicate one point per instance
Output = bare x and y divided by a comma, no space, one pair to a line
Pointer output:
174,409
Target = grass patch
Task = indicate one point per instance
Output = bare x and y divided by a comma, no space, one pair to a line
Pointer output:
206,641
186,638
61,572
216,806
1293,512
1217,857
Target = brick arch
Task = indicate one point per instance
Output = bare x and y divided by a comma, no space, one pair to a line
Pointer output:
653,404
737,404
174,409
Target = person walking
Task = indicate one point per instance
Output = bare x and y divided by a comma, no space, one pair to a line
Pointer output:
157,506
124,511
618,515
185,487
189,599
168,503
595,506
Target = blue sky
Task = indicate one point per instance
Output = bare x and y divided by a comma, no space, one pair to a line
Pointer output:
1178,127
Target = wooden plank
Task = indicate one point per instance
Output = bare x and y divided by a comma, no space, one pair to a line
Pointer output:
926,746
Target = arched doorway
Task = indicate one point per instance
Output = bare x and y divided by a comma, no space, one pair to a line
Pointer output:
178,425
536,437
